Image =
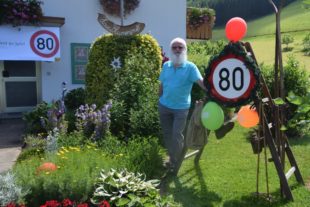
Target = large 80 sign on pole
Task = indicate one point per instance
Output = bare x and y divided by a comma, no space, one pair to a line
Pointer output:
230,80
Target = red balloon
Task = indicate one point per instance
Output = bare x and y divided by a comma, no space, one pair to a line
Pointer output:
235,29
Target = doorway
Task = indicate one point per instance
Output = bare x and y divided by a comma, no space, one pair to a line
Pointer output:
20,87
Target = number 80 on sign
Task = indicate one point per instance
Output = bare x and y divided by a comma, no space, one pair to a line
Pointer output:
230,81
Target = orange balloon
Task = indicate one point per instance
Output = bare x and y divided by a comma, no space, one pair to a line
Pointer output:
235,29
47,166
247,117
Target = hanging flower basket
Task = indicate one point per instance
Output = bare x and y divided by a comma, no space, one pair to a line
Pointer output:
112,7
199,16
20,12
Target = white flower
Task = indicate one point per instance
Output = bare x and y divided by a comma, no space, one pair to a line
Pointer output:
116,63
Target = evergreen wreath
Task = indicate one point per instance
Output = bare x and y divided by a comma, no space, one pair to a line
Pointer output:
234,50
112,7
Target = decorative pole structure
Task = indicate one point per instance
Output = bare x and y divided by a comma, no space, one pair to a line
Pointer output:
279,88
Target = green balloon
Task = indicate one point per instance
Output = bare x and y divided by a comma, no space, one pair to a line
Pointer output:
212,116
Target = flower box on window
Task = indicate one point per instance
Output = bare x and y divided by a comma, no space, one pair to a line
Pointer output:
199,23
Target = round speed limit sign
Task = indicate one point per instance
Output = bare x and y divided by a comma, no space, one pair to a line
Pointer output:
44,43
230,80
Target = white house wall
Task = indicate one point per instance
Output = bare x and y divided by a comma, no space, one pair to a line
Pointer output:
164,20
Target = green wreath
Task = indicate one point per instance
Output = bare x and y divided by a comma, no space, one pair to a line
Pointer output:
112,7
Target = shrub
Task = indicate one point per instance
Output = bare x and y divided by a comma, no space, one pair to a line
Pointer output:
34,119
286,40
123,68
75,98
29,153
306,44
144,155
301,119
296,80
73,139
139,154
9,190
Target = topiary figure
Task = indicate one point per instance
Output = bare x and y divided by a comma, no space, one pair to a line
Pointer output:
124,69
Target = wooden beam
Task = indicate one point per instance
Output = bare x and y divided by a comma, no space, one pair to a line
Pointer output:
52,21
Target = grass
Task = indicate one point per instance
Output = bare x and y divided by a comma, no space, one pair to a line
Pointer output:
294,21
294,18
226,175
264,49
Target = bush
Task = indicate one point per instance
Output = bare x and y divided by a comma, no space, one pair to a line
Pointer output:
73,139
34,119
306,44
75,98
144,155
296,80
9,190
139,154
31,152
126,81
286,40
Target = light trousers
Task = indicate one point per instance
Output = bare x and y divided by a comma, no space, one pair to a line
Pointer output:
173,122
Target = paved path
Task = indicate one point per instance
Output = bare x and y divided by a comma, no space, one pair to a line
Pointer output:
11,131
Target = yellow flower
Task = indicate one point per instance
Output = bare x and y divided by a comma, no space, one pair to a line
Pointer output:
47,173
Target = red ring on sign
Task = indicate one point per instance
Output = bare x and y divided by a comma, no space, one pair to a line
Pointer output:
216,94
34,49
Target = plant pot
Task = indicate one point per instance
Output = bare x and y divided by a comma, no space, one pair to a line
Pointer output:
257,144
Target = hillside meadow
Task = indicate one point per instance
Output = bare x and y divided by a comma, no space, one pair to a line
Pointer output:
261,34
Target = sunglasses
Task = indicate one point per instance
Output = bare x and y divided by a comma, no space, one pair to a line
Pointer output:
177,47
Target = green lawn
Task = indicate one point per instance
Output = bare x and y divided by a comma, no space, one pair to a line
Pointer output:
294,21
264,49
226,175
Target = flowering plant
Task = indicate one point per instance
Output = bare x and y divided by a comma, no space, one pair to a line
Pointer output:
68,203
113,6
65,203
199,16
20,12
93,122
